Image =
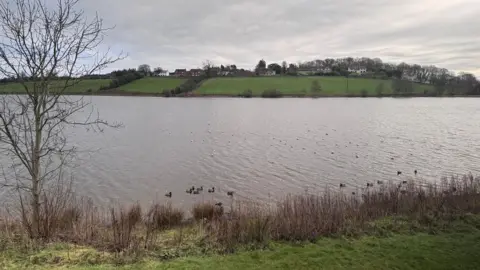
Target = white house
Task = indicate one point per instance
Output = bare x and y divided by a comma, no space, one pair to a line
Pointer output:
163,73
306,71
224,73
358,70
325,70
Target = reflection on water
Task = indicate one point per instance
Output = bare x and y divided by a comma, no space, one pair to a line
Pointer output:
262,149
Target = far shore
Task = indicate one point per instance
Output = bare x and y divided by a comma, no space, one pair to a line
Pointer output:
123,93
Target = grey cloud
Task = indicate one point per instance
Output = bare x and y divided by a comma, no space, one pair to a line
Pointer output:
184,33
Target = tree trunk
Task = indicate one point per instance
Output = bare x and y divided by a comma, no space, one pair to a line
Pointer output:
36,177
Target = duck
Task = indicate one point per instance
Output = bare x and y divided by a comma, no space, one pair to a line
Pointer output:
168,194
211,190
353,193
230,193
415,172
200,188
405,182
342,185
196,192
399,172
219,204
189,191
369,184
380,182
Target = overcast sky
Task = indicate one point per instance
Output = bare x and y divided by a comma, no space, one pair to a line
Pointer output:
183,33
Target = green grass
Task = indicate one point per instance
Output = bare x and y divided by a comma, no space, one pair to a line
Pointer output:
81,87
152,85
419,251
331,86
400,244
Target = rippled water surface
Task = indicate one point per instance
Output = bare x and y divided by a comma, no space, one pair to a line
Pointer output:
264,148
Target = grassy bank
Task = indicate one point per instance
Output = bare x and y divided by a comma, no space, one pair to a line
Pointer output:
152,85
298,86
147,86
396,245
287,85
405,225
83,87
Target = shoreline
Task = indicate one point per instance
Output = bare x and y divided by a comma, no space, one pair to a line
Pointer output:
197,95
313,228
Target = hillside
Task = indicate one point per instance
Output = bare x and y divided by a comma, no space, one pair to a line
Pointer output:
331,86
152,85
81,87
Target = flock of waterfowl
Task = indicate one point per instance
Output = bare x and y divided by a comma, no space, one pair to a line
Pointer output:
342,185
197,190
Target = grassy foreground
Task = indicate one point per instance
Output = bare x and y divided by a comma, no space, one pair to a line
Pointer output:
394,245
394,225
297,86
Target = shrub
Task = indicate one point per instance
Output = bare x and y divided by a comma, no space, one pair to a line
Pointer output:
163,216
245,224
272,93
379,89
122,78
315,87
207,211
167,93
364,93
247,93
123,222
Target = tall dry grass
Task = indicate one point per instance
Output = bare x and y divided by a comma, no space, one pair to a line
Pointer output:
303,217
206,211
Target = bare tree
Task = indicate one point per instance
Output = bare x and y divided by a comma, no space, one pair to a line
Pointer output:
144,69
158,70
37,43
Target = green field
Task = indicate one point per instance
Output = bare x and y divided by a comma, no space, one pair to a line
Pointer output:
81,87
152,85
331,86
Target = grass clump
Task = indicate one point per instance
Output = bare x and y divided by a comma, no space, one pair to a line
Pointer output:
207,211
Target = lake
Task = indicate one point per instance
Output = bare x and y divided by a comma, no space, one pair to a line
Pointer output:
263,149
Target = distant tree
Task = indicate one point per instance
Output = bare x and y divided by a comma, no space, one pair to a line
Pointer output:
261,65
233,67
439,89
144,69
292,69
157,70
315,88
222,67
329,62
275,67
397,74
207,67
284,67
379,89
